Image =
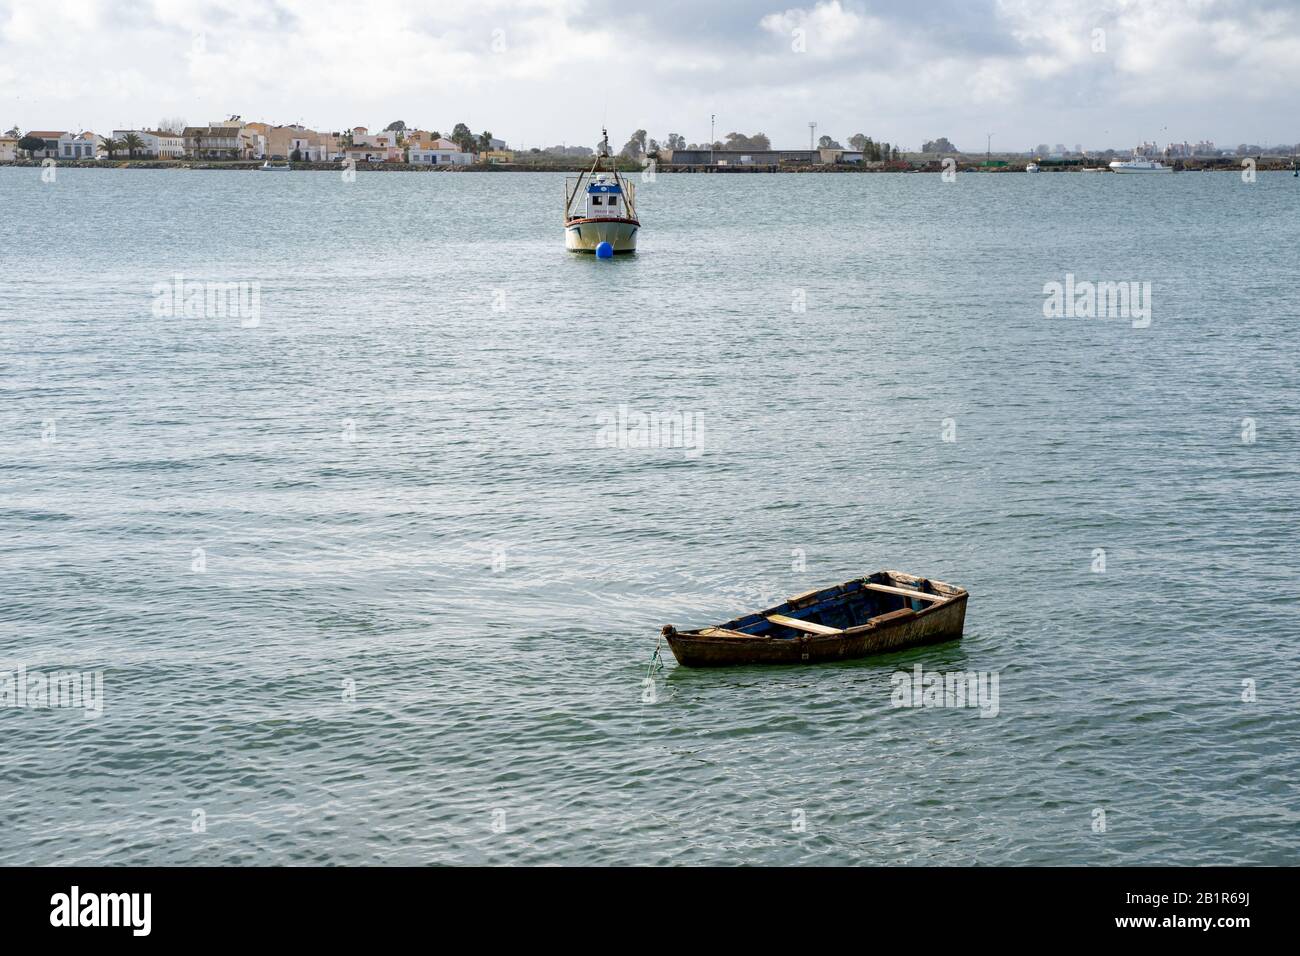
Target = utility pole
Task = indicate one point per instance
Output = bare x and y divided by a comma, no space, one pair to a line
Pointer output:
712,118
988,150
812,131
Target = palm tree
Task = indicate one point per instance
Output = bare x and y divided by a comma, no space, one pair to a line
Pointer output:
110,146
131,142
485,141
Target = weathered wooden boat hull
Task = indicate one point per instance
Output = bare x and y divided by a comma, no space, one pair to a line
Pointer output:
584,235
941,619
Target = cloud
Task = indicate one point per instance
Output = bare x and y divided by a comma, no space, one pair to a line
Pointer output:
827,30
545,71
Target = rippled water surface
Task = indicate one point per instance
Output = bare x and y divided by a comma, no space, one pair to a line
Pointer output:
395,488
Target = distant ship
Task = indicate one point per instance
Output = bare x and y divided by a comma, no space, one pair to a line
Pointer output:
1031,168
1138,165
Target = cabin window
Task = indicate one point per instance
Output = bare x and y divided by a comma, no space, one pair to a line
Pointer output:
595,200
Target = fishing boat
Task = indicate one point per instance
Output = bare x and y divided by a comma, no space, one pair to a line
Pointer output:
1031,168
600,208
271,167
885,611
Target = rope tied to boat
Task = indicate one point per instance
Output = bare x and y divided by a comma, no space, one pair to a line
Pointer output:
656,660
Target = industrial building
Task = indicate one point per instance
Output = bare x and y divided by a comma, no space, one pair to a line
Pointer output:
758,157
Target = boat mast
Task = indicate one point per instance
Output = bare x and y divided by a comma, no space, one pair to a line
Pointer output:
619,181
602,152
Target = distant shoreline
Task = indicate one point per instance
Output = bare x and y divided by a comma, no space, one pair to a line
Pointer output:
1223,164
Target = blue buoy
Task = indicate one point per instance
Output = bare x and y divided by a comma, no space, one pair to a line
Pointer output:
604,251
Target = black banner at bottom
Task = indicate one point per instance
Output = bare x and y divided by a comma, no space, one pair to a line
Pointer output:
1224,906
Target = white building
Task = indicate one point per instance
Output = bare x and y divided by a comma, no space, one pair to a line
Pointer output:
52,138
373,154
313,147
79,145
158,144
254,142
230,139
439,152
363,137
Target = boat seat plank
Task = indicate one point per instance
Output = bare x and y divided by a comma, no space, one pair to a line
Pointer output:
804,596
799,625
919,595
891,616
726,632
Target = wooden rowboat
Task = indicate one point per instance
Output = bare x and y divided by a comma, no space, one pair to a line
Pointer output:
885,611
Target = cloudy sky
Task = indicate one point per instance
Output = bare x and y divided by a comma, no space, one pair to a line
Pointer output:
539,72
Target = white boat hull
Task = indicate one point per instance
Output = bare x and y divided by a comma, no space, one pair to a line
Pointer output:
584,235
1115,168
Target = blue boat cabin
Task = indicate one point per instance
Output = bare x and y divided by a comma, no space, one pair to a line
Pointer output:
604,199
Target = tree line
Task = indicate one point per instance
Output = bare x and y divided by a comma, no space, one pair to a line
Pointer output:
641,144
